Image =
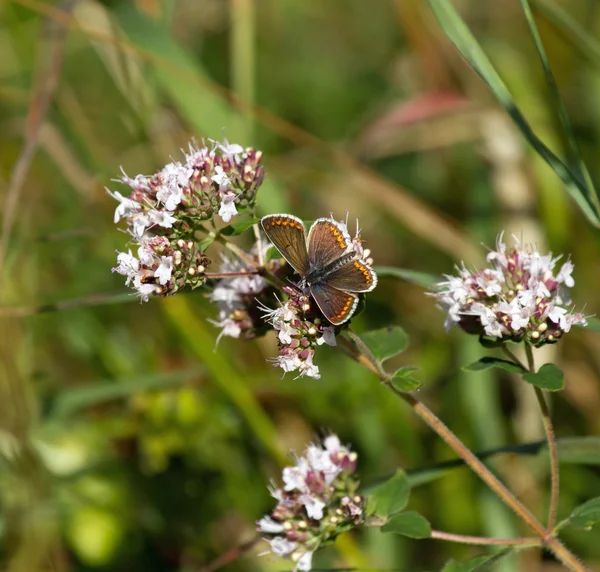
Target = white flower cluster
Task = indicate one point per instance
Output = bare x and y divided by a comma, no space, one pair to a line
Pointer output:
518,298
318,502
171,204
298,336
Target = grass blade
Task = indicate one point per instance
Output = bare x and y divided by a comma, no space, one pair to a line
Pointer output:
575,159
460,35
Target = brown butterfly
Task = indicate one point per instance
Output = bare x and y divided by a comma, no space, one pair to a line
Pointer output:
330,267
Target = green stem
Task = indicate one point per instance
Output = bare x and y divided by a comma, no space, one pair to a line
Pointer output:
552,449
553,544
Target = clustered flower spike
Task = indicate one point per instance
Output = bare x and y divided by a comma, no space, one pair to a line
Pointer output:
520,297
318,501
164,210
299,331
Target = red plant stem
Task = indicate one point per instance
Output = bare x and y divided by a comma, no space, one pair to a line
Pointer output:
482,541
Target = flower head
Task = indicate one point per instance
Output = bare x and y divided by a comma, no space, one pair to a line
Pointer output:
318,501
299,332
519,297
163,210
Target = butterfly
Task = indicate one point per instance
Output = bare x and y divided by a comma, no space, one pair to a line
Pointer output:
332,270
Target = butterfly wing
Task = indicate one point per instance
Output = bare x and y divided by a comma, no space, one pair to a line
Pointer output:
354,276
288,234
327,241
337,306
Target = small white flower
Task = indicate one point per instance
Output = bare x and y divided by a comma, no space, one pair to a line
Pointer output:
162,218
227,210
128,265
281,546
559,316
564,276
230,150
146,254
267,524
314,507
164,270
139,222
307,368
285,332
304,562
328,337
126,207
144,290
221,177
170,196
294,478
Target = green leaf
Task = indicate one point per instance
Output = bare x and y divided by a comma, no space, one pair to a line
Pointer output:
593,324
391,496
409,523
387,342
481,562
548,377
460,35
74,400
586,515
490,362
236,228
578,450
413,276
402,379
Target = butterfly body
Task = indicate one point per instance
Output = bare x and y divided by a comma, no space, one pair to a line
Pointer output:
330,266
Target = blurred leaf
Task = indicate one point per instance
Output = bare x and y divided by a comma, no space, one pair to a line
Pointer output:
402,379
409,523
490,362
238,227
460,35
586,515
391,496
386,342
548,377
578,450
558,105
481,562
74,400
413,276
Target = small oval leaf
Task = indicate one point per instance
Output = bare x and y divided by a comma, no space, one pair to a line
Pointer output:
586,515
391,496
386,342
548,377
409,523
403,380
489,362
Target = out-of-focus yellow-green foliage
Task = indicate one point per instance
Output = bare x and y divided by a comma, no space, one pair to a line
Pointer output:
127,440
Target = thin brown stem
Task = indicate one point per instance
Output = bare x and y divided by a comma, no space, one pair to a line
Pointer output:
549,541
552,449
211,275
482,541
230,555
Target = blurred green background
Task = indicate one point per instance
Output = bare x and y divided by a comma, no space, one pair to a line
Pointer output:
126,441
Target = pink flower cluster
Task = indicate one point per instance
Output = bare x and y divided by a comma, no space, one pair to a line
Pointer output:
164,210
299,331
519,297
318,501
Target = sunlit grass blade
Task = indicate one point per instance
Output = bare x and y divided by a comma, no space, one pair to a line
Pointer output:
460,35
575,159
